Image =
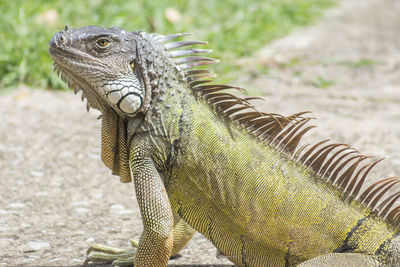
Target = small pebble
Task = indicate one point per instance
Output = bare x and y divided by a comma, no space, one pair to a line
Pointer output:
38,245
82,210
116,207
37,173
80,203
24,225
125,212
90,240
16,205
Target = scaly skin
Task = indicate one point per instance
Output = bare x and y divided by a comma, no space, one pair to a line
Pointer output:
193,168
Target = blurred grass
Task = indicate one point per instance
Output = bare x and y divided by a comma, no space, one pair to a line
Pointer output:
234,28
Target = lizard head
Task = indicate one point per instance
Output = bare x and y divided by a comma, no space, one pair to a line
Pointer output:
128,72
100,62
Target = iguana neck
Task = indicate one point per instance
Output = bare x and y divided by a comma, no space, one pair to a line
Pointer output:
170,122
161,78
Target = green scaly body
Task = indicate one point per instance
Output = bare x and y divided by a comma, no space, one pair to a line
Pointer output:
203,159
252,201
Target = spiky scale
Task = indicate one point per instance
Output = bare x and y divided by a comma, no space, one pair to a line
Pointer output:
192,59
175,45
180,53
173,36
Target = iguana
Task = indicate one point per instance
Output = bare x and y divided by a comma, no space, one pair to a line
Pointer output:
204,159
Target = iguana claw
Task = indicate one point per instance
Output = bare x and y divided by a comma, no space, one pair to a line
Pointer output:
107,254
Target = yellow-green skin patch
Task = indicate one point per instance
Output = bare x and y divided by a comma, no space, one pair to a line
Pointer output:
252,201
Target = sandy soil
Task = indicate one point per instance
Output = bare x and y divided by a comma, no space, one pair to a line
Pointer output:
57,198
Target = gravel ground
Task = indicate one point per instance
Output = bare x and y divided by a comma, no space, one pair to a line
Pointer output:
57,198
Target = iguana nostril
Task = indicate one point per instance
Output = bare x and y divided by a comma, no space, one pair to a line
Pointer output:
56,40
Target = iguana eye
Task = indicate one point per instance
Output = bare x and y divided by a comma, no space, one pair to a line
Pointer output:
102,43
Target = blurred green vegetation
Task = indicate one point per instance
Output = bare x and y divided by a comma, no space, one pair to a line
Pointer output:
234,28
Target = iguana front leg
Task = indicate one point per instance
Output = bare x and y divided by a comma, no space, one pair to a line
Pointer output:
155,244
125,257
156,241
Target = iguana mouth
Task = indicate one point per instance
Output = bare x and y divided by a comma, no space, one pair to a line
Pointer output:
59,49
127,102
57,52
74,82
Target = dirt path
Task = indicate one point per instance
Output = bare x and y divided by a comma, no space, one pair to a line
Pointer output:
56,197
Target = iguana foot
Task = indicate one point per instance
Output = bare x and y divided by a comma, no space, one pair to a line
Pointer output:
107,254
